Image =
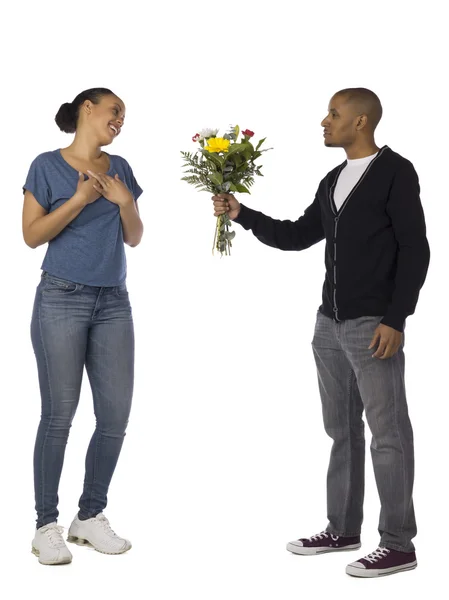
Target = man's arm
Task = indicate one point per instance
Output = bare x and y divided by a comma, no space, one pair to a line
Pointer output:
407,218
284,235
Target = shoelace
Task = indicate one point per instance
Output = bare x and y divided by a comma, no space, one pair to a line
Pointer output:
54,535
106,525
323,534
377,555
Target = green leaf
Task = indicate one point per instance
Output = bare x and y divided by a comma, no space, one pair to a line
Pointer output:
231,159
235,148
260,143
216,178
217,160
241,188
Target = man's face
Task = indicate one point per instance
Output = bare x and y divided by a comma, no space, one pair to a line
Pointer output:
340,123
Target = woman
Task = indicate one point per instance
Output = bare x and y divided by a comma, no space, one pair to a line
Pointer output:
83,202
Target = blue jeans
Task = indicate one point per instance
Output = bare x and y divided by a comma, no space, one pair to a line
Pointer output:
73,326
350,382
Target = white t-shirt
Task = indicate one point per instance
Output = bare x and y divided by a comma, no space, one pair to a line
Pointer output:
349,177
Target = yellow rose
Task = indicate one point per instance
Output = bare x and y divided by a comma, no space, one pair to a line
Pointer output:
217,145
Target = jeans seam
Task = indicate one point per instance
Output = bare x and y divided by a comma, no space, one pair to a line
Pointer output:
94,474
401,529
41,491
348,489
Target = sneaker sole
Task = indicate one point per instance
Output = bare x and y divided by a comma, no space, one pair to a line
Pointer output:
357,572
83,542
305,551
65,561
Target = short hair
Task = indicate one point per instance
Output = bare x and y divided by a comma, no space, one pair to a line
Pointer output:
366,102
67,116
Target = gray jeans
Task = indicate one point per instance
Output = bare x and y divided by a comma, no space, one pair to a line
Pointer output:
351,381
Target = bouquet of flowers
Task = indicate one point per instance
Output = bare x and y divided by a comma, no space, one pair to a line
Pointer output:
223,165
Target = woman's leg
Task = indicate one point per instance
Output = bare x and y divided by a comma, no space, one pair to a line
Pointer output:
110,367
59,336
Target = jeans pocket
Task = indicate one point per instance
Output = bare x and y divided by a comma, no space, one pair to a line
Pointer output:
51,284
121,290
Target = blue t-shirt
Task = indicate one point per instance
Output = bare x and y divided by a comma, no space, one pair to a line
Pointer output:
90,249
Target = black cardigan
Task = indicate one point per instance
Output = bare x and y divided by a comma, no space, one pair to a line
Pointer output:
376,255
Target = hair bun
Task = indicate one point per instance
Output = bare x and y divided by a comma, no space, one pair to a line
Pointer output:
65,118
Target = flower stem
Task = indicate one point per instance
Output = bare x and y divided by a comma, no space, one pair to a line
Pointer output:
217,235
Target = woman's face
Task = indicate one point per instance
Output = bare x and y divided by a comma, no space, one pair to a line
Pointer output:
106,118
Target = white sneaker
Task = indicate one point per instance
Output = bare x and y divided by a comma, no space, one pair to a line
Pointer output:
98,533
49,546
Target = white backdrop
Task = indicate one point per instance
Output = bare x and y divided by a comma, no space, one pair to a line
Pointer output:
225,459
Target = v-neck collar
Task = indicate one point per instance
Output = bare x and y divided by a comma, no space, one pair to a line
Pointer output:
336,212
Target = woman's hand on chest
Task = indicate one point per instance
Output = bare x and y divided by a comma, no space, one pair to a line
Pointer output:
85,189
112,188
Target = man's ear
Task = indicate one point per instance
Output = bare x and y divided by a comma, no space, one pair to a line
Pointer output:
362,121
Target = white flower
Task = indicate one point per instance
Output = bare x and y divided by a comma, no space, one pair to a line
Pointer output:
208,133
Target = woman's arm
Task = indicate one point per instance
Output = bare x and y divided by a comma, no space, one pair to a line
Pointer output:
132,223
39,227
116,191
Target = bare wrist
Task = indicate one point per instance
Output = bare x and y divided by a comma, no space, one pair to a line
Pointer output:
79,199
127,203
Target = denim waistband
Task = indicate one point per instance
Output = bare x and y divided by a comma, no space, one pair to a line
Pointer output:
46,274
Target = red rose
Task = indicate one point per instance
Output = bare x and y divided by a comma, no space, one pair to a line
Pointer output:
248,133
196,137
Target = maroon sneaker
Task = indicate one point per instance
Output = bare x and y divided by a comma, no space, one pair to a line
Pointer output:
384,561
323,542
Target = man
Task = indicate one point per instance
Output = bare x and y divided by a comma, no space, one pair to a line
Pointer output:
368,210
